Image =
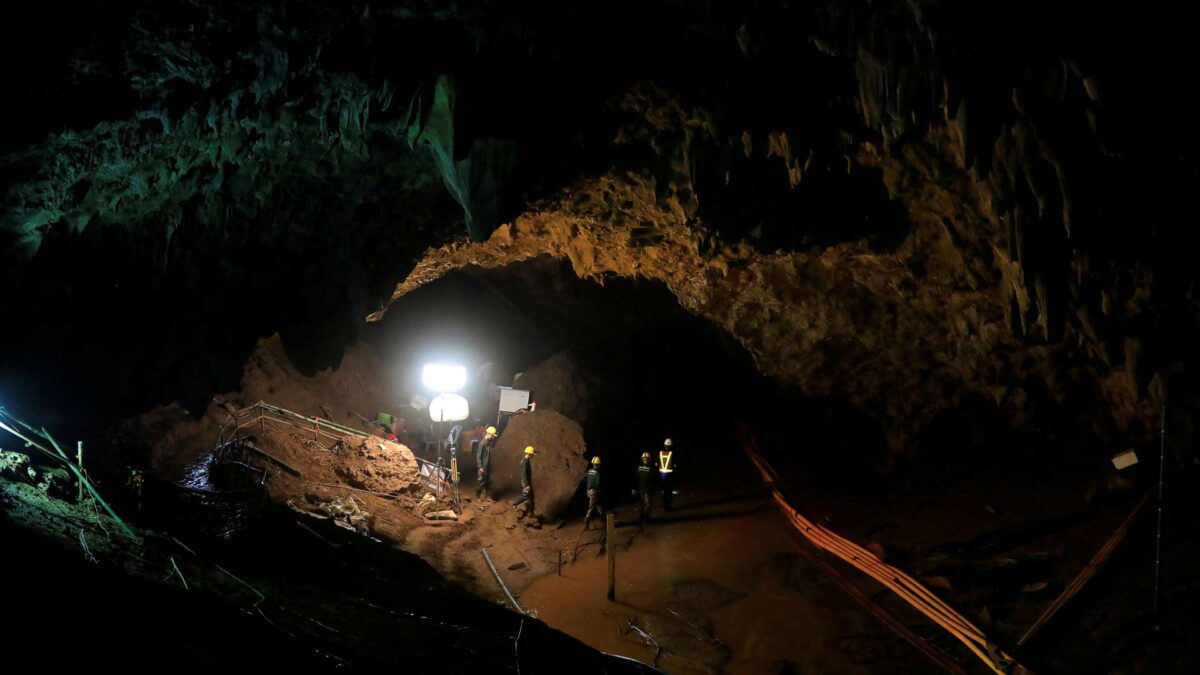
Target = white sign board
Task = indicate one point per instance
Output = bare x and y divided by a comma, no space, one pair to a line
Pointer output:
1125,459
512,400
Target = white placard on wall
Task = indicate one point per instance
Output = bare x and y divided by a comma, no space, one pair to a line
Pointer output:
512,400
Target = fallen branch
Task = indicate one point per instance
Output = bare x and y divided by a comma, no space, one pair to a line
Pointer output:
183,546
1087,572
332,630
647,639
176,568
87,553
711,637
580,547
261,597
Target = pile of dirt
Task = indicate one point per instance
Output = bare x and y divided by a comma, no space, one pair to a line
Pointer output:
372,485
377,465
557,384
372,463
167,439
558,466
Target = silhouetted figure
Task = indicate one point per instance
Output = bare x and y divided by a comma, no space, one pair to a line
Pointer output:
526,483
136,481
645,474
593,493
483,460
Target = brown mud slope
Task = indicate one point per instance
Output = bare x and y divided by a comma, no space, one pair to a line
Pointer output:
558,466
372,483
387,505
166,439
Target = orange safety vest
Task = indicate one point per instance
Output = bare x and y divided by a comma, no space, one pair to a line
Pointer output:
664,461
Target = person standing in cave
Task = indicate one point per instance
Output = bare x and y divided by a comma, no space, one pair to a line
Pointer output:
593,493
526,483
136,481
666,473
483,462
644,473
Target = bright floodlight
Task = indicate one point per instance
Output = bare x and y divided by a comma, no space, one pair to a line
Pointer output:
442,378
449,408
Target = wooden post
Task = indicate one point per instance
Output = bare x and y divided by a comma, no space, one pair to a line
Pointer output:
609,522
560,562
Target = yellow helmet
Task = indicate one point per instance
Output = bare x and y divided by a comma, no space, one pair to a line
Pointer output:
596,461
529,449
491,431
645,457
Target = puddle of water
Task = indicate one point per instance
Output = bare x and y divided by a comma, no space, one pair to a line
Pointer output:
198,474
772,609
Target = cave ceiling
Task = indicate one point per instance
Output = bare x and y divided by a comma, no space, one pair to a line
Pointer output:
927,208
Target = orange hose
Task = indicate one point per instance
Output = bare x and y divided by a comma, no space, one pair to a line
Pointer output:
900,583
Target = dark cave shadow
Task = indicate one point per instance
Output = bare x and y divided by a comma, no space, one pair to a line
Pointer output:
658,520
1003,539
758,494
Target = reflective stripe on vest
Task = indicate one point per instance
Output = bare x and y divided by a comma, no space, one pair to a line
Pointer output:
664,462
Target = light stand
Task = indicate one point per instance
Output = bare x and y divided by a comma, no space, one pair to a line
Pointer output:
444,379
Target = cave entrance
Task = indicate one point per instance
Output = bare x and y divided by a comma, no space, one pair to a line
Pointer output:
632,367
621,358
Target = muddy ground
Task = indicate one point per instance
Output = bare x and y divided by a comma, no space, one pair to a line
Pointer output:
718,583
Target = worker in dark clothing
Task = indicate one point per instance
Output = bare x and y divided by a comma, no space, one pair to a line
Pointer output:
483,460
136,481
593,493
666,473
526,483
645,474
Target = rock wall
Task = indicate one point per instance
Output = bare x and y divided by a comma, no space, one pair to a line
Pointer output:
922,208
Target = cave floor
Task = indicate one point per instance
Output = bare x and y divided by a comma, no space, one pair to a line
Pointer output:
998,544
761,610
718,581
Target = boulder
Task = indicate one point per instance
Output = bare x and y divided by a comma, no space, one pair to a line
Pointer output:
556,384
558,466
14,465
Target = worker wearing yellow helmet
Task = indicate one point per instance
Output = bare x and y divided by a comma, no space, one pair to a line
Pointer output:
593,493
483,464
645,475
666,473
526,483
